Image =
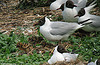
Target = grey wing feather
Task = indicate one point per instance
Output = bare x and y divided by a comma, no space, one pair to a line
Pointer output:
60,31
82,3
75,1
96,21
60,24
62,28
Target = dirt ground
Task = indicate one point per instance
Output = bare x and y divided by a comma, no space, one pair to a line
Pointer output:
12,19
22,21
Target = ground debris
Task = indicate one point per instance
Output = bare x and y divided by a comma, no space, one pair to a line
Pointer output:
27,48
77,62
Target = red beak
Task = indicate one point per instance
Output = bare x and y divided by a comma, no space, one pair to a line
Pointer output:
75,5
76,16
58,9
36,23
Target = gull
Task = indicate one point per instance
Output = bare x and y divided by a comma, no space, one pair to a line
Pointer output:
69,9
60,55
56,4
57,56
91,63
97,62
58,30
84,14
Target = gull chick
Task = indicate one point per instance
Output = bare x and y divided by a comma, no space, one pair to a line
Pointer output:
58,30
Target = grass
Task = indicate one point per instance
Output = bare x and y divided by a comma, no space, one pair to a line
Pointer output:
8,47
87,45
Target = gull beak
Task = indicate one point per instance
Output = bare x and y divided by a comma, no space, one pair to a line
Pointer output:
61,7
58,9
76,16
36,23
75,5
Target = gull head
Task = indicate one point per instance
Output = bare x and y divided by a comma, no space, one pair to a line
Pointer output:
70,4
42,21
81,13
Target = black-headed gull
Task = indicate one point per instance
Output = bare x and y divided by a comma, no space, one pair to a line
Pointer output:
56,4
58,30
68,13
84,14
59,55
70,8
97,62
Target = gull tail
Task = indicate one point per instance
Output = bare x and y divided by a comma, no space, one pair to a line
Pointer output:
90,6
90,3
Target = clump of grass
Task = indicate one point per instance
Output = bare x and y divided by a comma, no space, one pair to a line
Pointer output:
86,46
31,3
9,52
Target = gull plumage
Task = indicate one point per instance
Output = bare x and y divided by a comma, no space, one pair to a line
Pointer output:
84,14
91,63
69,9
70,12
60,55
70,57
97,62
57,30
57,56
56,4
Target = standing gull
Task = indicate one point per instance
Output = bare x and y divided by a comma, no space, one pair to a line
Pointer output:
58,30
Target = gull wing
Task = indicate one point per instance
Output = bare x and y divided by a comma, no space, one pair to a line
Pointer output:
62,28
82,3
96,21
75,1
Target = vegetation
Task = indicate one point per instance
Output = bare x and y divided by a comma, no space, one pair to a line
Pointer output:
38,3
33,3
8,49
86,46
